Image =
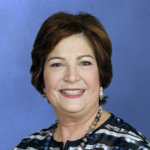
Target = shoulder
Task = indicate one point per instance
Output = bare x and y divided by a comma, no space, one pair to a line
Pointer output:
120,133
35,140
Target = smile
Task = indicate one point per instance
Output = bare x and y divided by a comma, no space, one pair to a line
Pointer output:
73,93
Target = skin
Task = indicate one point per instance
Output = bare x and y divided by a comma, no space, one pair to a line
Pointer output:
72,65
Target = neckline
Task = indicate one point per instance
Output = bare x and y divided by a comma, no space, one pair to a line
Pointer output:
78,140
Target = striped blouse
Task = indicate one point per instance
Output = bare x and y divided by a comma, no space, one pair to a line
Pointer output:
114,134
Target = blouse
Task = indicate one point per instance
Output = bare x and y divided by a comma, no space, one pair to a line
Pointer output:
114,134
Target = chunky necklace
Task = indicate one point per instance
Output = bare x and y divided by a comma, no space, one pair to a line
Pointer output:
87,135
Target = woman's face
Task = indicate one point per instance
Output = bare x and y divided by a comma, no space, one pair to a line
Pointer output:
71,76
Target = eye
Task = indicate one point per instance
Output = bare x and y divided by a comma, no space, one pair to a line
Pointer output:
56,65
86,63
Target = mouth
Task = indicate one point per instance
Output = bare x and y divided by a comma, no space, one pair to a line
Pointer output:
72,93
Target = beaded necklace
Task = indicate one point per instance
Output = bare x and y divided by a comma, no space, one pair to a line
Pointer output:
87,135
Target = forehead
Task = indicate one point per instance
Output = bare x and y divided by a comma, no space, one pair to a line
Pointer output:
77,44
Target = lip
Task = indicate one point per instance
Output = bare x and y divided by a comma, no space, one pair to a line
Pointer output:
72,96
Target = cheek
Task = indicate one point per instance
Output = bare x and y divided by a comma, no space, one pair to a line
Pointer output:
93,78
92,81
51,80
95,83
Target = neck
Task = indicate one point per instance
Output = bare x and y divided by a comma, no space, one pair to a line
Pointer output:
73,127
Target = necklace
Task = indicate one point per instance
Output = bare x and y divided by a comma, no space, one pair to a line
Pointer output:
84,139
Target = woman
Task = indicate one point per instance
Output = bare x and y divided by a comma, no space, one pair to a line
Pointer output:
71,64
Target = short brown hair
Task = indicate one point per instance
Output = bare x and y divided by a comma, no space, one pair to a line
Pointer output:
61,25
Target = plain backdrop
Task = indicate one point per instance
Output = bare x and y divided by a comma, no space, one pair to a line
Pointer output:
22,109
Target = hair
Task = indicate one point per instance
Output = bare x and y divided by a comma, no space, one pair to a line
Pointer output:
61,25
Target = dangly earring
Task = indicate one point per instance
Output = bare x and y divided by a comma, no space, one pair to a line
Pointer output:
44,94
101,93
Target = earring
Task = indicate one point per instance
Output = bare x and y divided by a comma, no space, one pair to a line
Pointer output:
44,94
101,93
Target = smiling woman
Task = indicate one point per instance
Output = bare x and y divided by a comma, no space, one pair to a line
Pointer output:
71,64
72,79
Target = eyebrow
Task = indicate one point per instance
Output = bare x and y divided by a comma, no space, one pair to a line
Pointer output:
79,57
56,57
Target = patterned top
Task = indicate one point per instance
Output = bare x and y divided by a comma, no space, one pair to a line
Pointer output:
114,134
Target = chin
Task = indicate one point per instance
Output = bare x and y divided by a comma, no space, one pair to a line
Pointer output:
73,109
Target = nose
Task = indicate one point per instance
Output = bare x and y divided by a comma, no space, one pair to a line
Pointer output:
72,74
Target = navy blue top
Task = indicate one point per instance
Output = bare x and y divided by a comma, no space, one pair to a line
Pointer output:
114,134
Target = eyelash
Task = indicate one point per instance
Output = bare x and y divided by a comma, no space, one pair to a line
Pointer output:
86,63
56,65
83,63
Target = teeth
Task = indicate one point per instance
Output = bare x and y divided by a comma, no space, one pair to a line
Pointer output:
72,92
